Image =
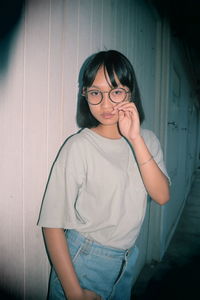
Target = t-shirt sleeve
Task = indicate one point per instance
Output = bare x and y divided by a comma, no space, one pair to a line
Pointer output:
156,151
65,180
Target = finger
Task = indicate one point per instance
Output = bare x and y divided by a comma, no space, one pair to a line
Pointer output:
125,104
125,115
121,115
128,114
126,107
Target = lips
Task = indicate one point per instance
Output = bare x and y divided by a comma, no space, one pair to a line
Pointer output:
107,115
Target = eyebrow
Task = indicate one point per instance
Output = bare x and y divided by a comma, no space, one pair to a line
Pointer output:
97,87
94,86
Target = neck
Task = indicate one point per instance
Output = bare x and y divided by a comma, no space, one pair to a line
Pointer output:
110,132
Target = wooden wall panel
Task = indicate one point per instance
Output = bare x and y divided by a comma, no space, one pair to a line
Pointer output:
11,171
36,100
70,66
55,80
107,25
96,25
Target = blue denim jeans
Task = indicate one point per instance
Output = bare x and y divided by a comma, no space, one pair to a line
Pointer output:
106,271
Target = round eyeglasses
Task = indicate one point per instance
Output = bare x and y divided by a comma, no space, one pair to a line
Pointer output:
95,97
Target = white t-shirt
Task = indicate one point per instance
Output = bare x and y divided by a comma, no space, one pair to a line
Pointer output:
95,187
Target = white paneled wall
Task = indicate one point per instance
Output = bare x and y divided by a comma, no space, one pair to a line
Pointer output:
37,112
12,240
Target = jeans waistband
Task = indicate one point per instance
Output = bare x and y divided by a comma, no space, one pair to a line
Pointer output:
90,246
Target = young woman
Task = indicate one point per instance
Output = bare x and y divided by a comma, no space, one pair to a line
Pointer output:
95,199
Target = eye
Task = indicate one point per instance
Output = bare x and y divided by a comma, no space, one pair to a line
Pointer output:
94,93
117,92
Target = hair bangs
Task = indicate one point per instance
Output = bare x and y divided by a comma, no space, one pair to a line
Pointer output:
110,75
118,69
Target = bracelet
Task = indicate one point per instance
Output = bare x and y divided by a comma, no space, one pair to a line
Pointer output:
144,163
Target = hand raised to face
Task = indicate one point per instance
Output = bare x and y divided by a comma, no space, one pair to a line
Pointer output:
129,121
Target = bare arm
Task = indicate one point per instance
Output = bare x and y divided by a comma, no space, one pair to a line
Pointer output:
59,254
155,181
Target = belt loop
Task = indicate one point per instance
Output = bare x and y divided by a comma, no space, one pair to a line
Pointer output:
87,245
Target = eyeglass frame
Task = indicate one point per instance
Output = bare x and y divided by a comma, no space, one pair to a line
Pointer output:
85,92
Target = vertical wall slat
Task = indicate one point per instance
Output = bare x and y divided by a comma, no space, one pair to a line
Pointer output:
35,137
96,26
70,65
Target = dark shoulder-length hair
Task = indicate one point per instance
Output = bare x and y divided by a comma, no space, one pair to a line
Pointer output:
113,63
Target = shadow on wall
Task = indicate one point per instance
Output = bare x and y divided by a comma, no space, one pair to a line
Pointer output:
5,295
10,16
179,282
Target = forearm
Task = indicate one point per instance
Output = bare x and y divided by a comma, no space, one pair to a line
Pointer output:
59,254
155,181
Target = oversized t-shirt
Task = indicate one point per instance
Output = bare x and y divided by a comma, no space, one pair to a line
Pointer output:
95,187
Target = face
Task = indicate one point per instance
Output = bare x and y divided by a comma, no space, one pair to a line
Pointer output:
103,112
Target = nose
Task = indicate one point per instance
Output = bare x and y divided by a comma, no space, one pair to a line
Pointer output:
106,102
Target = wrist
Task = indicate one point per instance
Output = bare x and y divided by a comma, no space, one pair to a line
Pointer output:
75,293
136,139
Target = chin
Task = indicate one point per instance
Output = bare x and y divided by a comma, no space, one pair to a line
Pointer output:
108,122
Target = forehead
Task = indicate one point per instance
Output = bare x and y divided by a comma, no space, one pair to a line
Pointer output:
102,78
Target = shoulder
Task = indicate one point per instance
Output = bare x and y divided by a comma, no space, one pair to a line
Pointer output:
148,135
75,140
73,146
150,139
